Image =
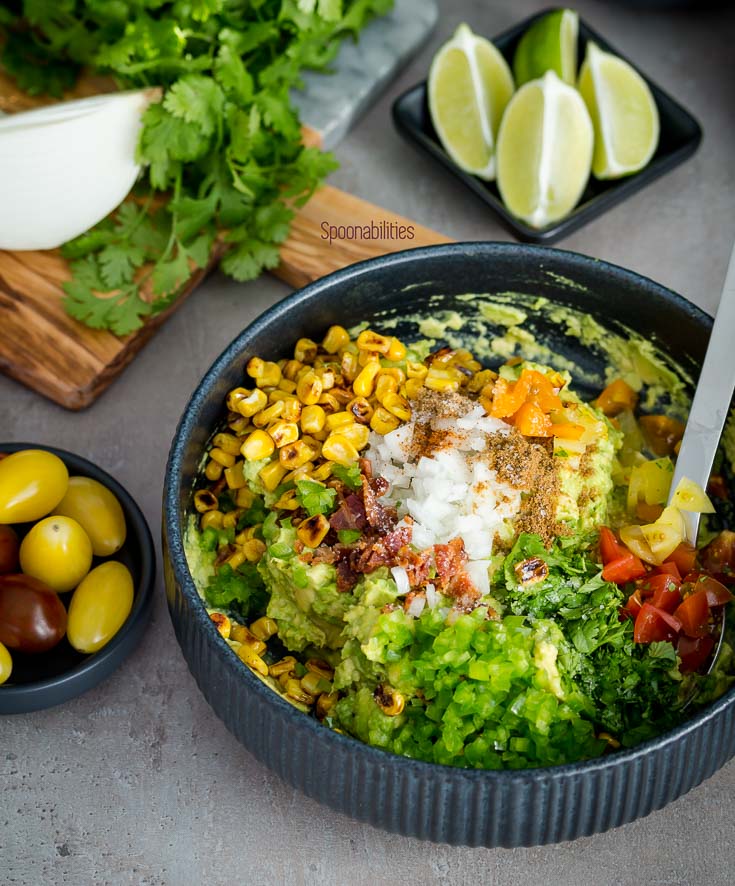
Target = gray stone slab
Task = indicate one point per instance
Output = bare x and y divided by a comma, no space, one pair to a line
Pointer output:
138,782
332,103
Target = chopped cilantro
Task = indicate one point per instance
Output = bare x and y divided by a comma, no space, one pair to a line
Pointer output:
315,498
241,590
350,476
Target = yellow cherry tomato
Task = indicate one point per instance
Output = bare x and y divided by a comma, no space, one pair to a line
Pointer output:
97,511
58,552
6,664
99,606
32,483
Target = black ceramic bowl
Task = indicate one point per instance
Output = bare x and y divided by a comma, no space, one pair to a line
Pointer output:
50,678
479,808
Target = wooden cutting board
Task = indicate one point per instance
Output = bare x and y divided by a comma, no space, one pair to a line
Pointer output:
45,349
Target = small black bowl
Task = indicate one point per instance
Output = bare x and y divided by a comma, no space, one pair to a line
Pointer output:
50,678
470,807
679,139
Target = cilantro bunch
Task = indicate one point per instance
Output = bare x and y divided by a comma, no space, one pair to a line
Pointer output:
224,163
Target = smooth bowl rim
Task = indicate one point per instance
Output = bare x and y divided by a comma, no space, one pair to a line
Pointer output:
282,709
105,660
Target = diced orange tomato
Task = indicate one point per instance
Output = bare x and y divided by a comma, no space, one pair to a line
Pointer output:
717,593
567,431
669,568
531,421
684,556
532,387
693,614
662,433
507,398
616,397
610,547
624,569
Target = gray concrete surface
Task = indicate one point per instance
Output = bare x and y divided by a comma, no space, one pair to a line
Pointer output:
138,781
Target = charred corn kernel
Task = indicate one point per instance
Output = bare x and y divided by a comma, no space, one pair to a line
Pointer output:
322,473
290,368
234,476
336,338
309,388
205,500
236,558
384,385
389,700
338,448
368,340
247,403
438,379
211,519
245,535
288,501
271,414
244,498
243,634
398,406
257,445
357,434
230,519
276,394
612,742
294,455
416,370
443,357
339,420
264,628
480,379
291,409
238,424
213,471
413,386
383,422
365,357
265,373
253,549
313,530
320,667
393,372
313,418
226,459
327,378
227,443
251,658
396,351
361,410
295,691
222,623
329,402
305,350
285,384
342,396
283,432
350,366
284,678
302,473
314,684
285,666
325,703
365,382
272,474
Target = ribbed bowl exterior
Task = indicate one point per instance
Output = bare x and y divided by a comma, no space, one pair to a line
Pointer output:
438,803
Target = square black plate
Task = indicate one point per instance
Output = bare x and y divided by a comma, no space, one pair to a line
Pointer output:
680,136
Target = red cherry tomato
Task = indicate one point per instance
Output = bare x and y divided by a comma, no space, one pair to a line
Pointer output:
610,547
32,618
684,556
663,590
717,593
719,555
669,568
694,614
633,606
694,652
653,625
623,569
9,545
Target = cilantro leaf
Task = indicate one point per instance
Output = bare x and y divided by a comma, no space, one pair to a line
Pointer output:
350,476
315,498
241,590
196,99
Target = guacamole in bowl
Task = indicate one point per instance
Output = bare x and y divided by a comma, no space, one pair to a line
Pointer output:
475,676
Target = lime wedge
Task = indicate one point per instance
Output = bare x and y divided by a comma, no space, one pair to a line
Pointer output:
550,44
544,151
469,86
623,113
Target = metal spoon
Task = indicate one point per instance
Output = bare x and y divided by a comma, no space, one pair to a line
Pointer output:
709,411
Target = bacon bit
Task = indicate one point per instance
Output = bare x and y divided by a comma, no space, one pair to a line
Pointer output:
410,597
298,546
397,539
379,485
417,565
380,518
346,577
449,559
464,592
389,607
349,515
223,553
324,554
366,467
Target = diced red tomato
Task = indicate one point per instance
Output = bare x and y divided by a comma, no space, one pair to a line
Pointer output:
610,547
669,568
626,568
653,625
666,593
693,614
694,652
684,556
717,593
633,606
719,555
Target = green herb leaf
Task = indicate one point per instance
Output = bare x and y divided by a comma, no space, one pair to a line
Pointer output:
314,497
348,536
350,476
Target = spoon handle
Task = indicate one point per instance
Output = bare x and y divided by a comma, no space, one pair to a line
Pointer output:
712,399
